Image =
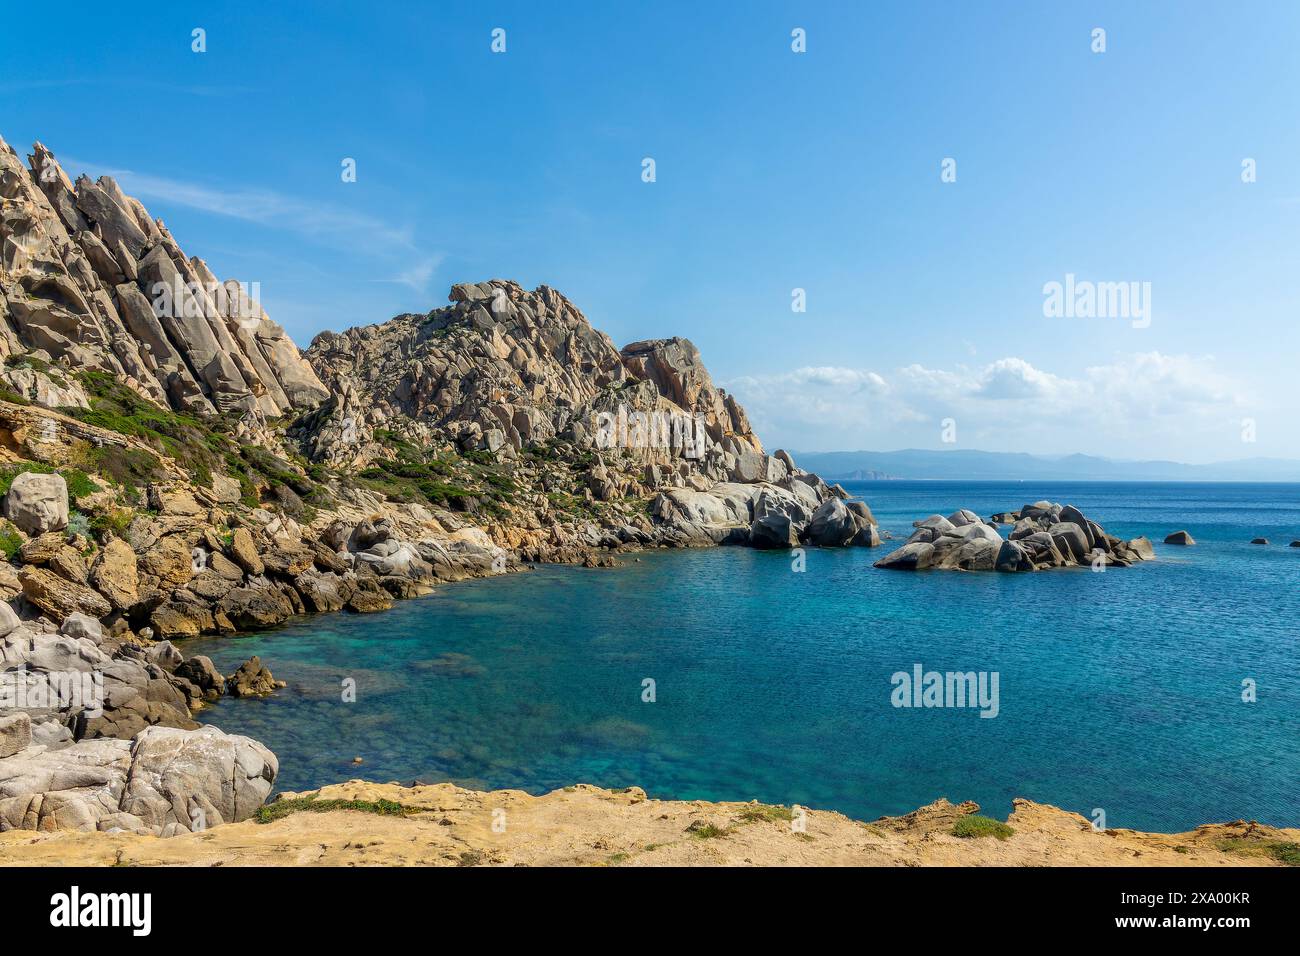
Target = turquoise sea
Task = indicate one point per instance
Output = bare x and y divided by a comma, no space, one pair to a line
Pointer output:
1119,690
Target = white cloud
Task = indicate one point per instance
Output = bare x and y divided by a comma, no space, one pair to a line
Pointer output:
1145,404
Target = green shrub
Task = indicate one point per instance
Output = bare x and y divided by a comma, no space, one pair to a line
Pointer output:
765,813
282,808
114,521
1285,852
10,540
975,826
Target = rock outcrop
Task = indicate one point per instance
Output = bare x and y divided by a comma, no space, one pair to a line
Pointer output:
162,782
1044,535
502,368
88,280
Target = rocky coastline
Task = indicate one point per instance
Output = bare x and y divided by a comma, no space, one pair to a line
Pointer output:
365,824
171,465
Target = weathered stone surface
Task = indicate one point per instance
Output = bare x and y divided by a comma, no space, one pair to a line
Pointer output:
37,503
80,627
368,597
8,618
1180,538
244,553
58,597
170,562
203,674
15,733
79,267
1041,538
249,608
774,530
252,679
40,549
832,525
914,556
114,574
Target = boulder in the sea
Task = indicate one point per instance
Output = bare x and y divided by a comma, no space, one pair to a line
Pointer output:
1180,537
832,525
252,679
1259,541
914,556
203,674
774,530
1046,535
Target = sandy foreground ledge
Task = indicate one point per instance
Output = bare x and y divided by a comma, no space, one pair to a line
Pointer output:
444,825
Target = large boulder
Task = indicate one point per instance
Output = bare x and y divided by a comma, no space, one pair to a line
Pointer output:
914,556
252,679
37,503
244,553
203,674
59,597
1142,547
1180,538
196,778
1013,557
249,608
170,562
832,525
115,576
15,733
773,530
1070,539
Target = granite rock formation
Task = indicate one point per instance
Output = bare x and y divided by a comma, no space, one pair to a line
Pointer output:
1045,535
88,280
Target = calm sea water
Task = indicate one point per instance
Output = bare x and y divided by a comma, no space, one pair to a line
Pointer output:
1119,690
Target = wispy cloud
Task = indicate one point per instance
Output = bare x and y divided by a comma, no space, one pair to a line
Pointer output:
319,221
417,277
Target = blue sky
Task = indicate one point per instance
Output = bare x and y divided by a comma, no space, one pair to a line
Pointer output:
775,171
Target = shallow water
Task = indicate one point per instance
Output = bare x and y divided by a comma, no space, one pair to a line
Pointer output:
1119,690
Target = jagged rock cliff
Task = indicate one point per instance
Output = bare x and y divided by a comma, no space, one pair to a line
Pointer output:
89,280
502,368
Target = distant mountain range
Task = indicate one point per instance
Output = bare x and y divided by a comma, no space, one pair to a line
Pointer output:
973,465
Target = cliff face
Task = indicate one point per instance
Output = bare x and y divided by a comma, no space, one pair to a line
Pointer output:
502,368
89,280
